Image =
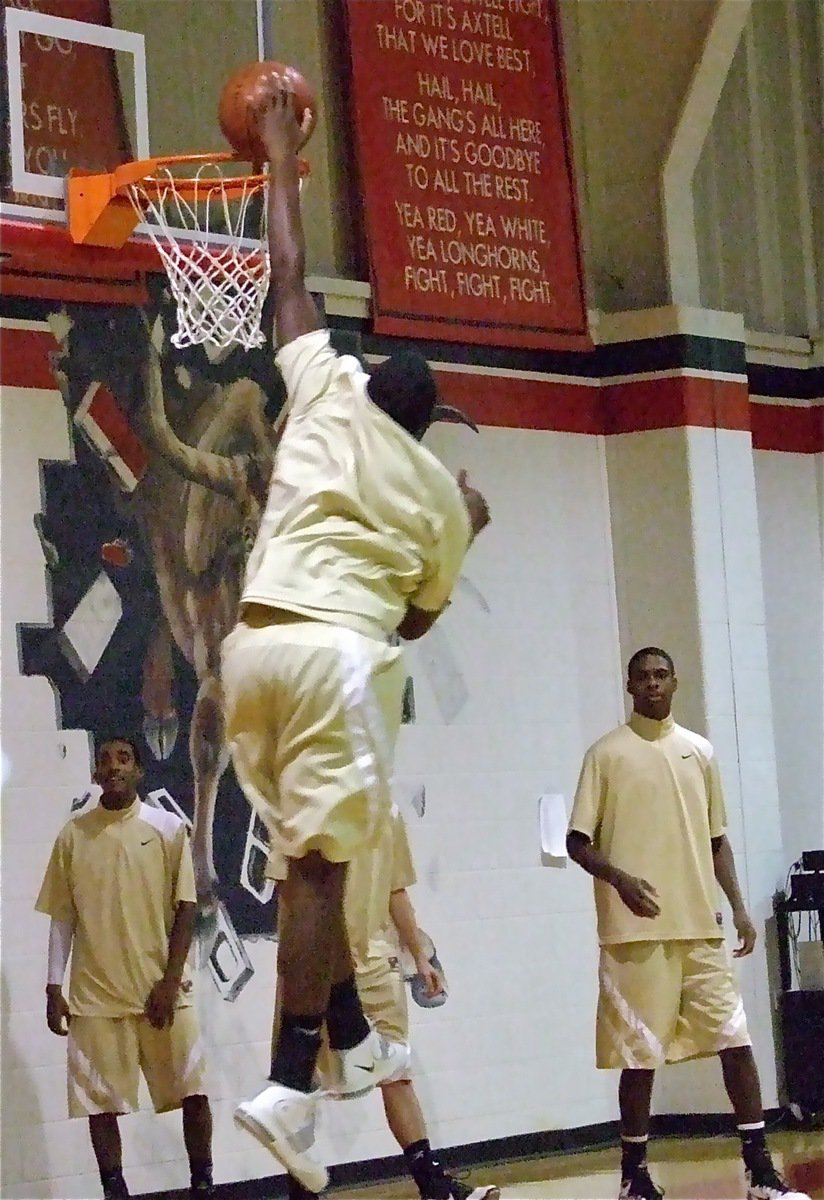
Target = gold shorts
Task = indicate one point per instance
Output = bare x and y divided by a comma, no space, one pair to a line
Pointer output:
107,1054
666,1002
312,716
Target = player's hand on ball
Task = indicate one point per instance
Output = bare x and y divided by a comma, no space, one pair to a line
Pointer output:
477,506
638,895
278,127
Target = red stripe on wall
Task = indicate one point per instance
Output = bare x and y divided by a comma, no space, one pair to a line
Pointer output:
788,427
562,407
24,358
508,403
616,408
672,403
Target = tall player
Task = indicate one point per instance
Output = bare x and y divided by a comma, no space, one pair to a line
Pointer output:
364,534
648,823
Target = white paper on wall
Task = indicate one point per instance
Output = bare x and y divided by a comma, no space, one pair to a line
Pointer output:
552,826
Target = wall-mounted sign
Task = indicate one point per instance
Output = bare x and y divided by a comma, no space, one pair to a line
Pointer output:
465,162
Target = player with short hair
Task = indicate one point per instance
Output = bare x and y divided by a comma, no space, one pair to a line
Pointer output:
120,891
381,922
363,535
649,824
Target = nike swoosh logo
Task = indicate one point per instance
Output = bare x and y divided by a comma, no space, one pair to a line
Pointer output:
362,1068
686,756
147,843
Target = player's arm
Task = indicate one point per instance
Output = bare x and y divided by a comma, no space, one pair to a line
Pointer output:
402,913
418,621
295,310
724,866
160,1005
61,935
55,900
638,895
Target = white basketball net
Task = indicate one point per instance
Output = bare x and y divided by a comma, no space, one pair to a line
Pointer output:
219,286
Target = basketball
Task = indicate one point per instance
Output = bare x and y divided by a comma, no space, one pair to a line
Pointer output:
244,91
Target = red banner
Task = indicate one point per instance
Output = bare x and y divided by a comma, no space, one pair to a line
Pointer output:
465,162
72,112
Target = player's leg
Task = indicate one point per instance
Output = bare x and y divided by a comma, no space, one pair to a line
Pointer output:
743,1085
634,1104
335,795
108,1152
638,1002
174,1067
311,899
197,1135
406,1122
321,781
384,995
713,1021
103,1076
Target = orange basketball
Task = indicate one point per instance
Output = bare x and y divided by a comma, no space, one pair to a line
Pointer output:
244,91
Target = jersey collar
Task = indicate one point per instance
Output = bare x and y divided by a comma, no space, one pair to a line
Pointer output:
650,729
111,815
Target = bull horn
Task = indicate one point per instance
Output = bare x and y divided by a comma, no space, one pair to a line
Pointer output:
455,416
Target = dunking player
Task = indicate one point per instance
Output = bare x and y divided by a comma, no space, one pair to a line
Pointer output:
648,823
364,533
380,919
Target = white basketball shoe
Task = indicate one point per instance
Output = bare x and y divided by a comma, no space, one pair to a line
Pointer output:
284,1121
374,1060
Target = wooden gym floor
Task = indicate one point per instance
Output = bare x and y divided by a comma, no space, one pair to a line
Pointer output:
693,1169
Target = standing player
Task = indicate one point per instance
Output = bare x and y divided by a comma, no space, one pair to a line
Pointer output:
381,921
648,823
120,891
364,533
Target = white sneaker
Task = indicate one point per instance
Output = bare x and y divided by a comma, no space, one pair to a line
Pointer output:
766,1184
283,1121
374,1060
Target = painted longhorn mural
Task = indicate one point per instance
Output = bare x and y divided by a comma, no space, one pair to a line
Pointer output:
145,537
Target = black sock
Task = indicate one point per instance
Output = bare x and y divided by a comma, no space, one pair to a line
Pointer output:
753,1141
345,1022
296,1190
113,1182
633,1155
430,1177
200,1170
293,1063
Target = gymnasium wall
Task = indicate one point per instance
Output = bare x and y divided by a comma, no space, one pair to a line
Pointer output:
521,675
611,527
664,487
789,491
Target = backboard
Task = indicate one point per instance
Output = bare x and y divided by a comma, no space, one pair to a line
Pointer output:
92,84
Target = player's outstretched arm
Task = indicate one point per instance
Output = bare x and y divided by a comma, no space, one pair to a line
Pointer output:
295,310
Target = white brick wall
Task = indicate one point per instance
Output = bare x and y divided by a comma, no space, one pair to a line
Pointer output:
512,1050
